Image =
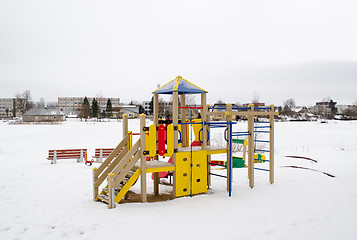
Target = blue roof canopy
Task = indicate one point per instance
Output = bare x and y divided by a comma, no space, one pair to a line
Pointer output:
180,85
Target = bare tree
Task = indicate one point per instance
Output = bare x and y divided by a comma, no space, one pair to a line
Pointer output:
41,104
255,97
190,100
24,101
289,104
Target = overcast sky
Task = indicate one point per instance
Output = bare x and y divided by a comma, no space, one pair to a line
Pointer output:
276,49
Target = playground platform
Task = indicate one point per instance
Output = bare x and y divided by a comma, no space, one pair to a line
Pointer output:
210,149
156,166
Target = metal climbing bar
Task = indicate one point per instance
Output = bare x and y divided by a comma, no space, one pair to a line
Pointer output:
189,123
261,160
261,122
240,108
261,150
218,126
262,108
263,141
214,164
262,169
262,127
190,107
219,123
217,175
262,131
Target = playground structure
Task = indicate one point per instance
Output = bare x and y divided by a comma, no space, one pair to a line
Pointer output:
190,165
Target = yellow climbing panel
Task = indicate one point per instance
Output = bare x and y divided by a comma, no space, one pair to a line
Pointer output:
183,173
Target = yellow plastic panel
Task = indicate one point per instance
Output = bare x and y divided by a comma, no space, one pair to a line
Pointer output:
183,174
152,140
170,139
199,172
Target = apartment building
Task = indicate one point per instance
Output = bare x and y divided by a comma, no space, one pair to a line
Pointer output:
10,107
74,103
163,106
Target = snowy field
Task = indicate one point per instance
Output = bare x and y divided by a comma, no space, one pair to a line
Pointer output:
43,201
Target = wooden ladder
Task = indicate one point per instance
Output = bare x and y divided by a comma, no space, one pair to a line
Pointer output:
121,174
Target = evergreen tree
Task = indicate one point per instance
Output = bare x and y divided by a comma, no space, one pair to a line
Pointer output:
95,108
85,110
109,109
141,109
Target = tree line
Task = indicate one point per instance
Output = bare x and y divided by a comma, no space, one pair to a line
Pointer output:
93,110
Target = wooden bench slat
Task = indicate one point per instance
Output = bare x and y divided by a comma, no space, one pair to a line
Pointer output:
66,153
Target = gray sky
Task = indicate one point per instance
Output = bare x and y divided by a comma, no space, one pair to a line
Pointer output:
277,49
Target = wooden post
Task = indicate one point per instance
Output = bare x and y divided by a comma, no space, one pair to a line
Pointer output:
156,115
156,183
156,109
208,119
125,125
203,118
95,189
156,123
229,144
183,120
175,123
251,146
271,144
111,190
126,133
143,157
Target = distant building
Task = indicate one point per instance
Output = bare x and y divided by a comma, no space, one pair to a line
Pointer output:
146,106
66,104
341,109
43,115
164,106
256,105
131,110
325,109
10,107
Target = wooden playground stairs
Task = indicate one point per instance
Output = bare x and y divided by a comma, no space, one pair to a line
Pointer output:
120,171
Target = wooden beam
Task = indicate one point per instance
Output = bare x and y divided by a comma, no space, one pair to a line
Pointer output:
156,109
271,147
95,188
251,147
175,123
143,157
183,120
229,144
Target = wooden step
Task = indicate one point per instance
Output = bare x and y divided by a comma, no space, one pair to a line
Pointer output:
116,190
103,198
130,174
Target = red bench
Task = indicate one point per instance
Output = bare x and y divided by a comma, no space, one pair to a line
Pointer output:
101,153
79,154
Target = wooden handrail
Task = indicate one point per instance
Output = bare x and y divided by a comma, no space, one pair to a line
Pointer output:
125,166
108,170
123,143
127,158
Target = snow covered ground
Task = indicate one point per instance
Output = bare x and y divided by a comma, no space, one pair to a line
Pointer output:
43,201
